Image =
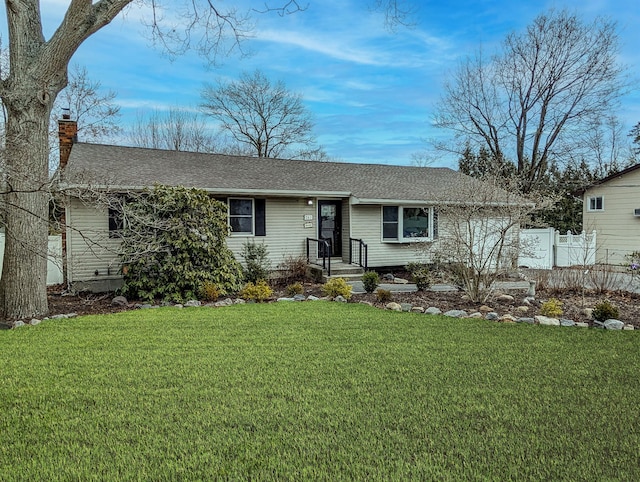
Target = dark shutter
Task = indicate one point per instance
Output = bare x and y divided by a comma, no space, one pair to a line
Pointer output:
261,223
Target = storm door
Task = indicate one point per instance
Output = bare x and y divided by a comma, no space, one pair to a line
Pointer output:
330,225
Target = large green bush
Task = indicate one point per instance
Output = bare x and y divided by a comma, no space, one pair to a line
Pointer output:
173,242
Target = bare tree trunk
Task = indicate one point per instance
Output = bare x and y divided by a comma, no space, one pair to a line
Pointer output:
23,291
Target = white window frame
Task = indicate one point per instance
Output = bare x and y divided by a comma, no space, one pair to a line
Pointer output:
594,200
399,235
252,216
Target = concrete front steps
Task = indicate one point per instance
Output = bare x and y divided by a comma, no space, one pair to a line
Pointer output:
339,269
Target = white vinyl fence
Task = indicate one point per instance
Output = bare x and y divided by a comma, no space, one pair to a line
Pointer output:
545,248
54,261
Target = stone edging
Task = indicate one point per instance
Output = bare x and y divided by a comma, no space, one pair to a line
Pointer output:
485,312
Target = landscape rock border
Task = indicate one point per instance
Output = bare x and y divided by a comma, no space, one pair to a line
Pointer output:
484,312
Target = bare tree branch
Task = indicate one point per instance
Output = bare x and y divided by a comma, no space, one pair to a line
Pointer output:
539,95
176,130
260,114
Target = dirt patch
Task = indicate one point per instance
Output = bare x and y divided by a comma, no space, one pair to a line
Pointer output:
82,303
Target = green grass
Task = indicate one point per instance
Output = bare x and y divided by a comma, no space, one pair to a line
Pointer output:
316,391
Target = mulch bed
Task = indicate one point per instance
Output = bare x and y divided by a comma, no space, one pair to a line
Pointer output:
573,303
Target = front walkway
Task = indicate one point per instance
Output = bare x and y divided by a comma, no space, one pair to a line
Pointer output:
629,282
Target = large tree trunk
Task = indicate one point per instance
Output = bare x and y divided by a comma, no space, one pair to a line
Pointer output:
37,74
23,290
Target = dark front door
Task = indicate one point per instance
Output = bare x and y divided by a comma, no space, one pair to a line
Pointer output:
330,225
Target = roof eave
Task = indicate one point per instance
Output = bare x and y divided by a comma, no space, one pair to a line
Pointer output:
234,191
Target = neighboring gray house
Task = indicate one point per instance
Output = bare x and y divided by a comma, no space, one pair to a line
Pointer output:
282,203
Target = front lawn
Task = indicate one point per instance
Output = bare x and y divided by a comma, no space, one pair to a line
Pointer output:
316,390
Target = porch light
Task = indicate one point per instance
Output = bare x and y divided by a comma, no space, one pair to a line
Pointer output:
309,202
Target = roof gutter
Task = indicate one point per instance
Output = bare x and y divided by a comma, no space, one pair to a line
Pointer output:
433,202
234,191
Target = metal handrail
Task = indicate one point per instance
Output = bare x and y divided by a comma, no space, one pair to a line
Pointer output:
363,252
326,253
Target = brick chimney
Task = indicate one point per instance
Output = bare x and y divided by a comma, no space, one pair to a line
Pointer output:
67,135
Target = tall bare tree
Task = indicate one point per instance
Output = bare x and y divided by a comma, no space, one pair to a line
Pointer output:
94,109
36,75
478,239
85,101
261,114
539,96
634,134
175,129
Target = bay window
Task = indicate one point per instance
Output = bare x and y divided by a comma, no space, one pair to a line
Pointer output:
405,224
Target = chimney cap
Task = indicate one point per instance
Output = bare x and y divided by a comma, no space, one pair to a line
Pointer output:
66,113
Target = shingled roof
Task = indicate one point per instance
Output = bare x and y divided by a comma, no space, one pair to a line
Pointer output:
120,168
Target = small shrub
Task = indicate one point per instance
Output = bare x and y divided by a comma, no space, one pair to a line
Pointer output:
316,275
420,275
294,289
413,266
210,291
604,278
551,308
422,278
605,311
572,279
370,281
293,269
383,296
256,259
634,262
257,292
542,277
337,287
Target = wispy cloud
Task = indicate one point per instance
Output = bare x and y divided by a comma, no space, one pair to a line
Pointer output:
371,91
331,47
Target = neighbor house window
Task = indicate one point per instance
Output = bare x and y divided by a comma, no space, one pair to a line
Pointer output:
241,216
405,224
596,203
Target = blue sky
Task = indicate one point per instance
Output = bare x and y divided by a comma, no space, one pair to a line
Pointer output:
372,92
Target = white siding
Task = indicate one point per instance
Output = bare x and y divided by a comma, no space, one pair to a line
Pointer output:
89,248
618,230
346,230
285,228
366,224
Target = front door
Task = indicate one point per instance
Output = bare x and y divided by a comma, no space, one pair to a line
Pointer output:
330,225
